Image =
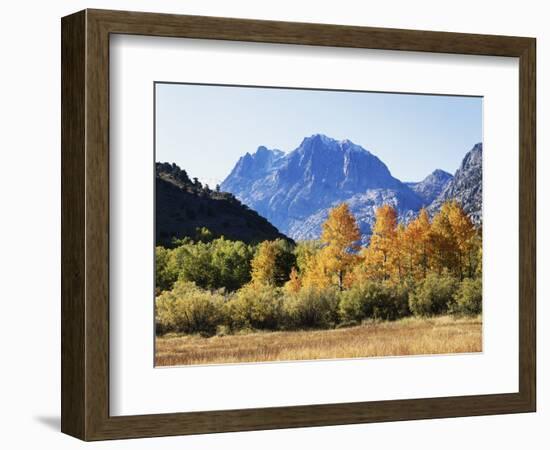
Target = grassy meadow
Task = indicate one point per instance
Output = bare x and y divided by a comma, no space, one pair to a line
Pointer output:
407,336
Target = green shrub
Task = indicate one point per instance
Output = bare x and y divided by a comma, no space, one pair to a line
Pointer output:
380,301
312,308
353,306
166,272
433,295
189,309
393,304
468,298
217,264
255,307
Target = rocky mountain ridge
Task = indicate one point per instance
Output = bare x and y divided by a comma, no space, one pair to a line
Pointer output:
431,186
295,191
466,186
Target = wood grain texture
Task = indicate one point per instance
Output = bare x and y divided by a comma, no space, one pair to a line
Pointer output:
201,27
97,225
85,224
73,108
527,224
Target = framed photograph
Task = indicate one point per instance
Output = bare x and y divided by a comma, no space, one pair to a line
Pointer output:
272,225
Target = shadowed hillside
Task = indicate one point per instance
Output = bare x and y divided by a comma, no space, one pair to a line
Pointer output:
184,205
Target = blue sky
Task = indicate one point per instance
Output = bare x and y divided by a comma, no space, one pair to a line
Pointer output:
205,129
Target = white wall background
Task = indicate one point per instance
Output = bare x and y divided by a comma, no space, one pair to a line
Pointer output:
30,221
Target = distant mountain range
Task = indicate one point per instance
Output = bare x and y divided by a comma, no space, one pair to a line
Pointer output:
431,186
184,205
295,191
270,194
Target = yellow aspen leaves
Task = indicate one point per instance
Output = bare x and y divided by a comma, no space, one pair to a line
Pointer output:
396,251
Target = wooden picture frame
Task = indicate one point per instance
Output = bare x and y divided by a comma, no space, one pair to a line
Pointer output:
85,224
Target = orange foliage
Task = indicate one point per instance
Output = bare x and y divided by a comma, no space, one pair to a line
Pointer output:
380,255
338,255
396,252
294,284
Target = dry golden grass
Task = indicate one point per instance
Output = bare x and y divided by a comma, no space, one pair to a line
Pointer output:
408,336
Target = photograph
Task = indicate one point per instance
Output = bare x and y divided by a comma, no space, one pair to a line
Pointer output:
297,224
